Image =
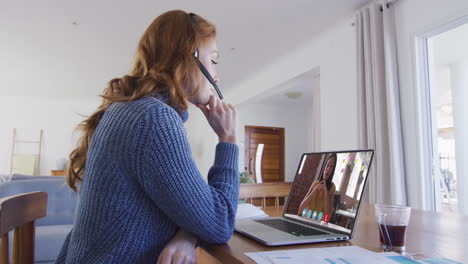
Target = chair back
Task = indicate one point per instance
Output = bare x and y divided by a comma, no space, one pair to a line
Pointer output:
265,190
61,199
19,213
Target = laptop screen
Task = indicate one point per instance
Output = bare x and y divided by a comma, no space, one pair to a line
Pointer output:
328,188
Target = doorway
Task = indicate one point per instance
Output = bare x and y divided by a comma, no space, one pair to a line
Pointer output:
264,153
444,96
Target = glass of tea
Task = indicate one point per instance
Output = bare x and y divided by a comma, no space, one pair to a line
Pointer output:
392,221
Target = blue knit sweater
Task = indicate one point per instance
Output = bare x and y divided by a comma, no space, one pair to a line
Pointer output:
141,185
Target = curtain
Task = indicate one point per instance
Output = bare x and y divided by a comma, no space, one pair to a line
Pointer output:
379,117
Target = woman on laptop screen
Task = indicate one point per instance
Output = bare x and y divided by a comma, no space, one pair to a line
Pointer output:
319,198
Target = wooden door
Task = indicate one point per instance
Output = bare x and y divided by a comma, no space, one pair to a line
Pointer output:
272,158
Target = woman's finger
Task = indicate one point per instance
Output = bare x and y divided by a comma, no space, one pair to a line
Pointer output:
189,260
186,260
192,261
178,259
234,111
212,102
216,102
226,107
219,104
164,258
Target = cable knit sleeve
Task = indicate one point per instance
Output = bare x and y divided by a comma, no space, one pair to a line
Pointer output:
170,177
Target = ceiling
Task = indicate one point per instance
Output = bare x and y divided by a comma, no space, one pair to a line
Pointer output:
59,47
305,84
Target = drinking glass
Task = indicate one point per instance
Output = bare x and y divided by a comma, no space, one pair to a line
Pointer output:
392,221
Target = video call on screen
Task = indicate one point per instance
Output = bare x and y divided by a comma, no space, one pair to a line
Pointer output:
328,188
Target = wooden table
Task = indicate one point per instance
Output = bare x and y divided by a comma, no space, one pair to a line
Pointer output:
57,172
429,235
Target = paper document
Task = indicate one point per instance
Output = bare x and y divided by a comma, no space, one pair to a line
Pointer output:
439,261
329,255
247,210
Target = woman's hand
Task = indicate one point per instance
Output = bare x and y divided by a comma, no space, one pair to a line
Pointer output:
321,186
179,250
222,118
322,189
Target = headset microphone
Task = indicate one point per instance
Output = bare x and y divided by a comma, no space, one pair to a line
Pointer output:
207,74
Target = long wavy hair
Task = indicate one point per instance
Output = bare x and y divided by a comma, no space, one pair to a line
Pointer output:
163,63
330,179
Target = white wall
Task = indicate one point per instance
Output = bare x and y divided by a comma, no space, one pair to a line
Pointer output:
416,17
57,117
43,53
293,119
202,140
333,51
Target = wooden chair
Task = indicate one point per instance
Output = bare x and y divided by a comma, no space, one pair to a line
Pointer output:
265,190
18,213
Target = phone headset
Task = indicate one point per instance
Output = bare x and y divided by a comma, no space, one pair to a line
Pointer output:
200,65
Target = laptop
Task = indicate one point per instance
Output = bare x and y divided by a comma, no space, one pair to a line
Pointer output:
323,203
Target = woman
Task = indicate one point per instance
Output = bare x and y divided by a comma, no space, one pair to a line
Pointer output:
141,196
320,195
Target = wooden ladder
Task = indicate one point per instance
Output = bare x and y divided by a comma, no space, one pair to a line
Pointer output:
16,142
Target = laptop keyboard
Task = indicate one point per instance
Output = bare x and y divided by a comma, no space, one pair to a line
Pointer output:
291,228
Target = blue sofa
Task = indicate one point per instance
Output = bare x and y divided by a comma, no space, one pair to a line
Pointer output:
51,230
